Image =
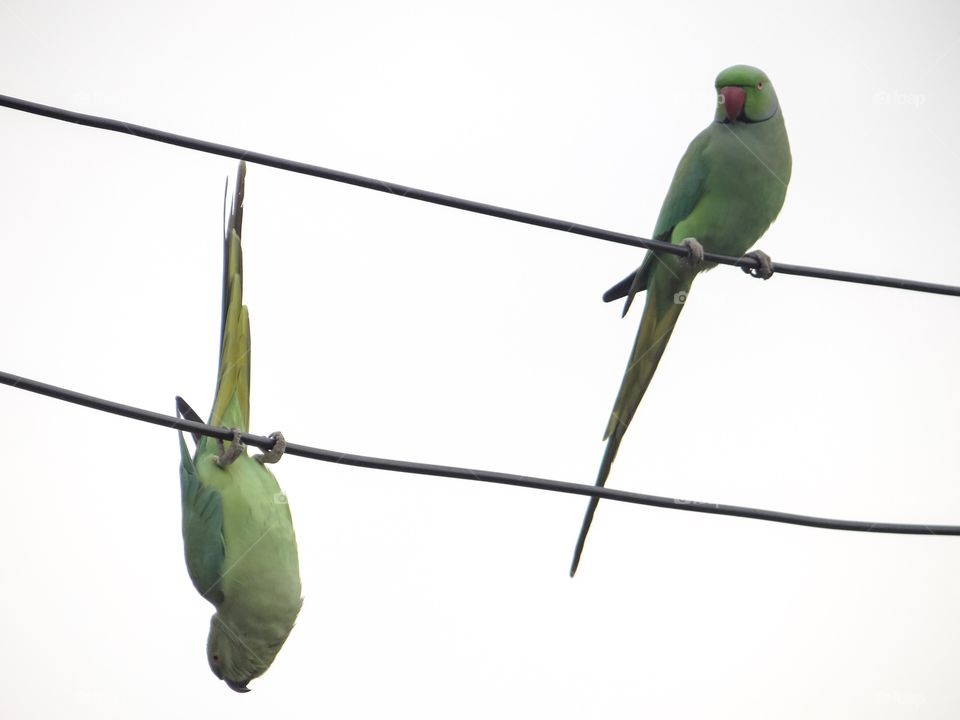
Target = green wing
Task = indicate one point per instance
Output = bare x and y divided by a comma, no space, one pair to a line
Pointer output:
686,189
202,529
685,192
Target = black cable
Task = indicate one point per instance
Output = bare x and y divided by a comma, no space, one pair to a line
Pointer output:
459,203
404,466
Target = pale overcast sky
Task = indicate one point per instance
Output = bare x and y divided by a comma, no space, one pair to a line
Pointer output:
390,327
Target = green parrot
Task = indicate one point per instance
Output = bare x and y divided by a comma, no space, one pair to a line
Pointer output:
238,536
727,189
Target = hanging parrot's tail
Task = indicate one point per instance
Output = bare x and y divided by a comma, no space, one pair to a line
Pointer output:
231,406
660,314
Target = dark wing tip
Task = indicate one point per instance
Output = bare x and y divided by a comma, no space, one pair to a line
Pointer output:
618,291
633,283
188,413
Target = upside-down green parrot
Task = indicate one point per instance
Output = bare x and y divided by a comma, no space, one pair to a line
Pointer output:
238,536
727,189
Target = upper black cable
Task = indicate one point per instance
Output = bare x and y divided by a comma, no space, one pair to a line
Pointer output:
459,203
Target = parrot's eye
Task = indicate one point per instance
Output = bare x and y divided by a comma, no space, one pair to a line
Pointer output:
216,658
760,85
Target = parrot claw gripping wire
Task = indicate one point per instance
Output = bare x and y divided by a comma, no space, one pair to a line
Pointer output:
765,271
696,251
237,448
274,453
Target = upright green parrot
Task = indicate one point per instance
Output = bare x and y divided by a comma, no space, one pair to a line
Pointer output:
727,189
238,536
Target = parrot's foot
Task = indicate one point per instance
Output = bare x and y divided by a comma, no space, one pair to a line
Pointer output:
236,449
765,270
696,251
274,453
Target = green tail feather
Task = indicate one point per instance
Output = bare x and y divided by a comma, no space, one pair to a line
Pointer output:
231,406
613,444
659,318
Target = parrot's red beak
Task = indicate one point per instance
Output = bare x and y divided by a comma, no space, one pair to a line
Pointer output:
732,98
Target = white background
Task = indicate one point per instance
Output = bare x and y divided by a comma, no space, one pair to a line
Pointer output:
390,327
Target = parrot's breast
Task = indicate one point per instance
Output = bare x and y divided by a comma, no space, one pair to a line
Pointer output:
749,169
261,567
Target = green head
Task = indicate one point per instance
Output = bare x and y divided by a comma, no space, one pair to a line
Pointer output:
236,659
745,94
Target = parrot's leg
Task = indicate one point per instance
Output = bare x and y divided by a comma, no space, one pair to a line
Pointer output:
236,449
696,251
765,271
274,453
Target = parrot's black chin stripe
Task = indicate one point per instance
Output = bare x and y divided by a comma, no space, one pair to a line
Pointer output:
742,118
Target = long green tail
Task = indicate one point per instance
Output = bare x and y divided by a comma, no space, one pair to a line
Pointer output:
656,325
231,405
